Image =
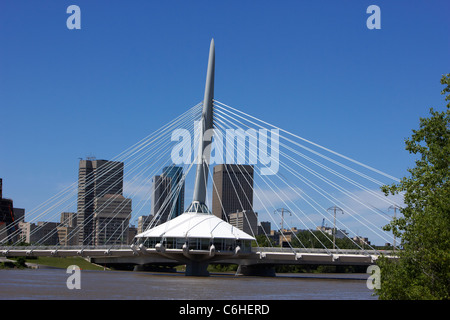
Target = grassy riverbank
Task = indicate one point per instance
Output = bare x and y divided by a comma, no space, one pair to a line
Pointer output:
55,262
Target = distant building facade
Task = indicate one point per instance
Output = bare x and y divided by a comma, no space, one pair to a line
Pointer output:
264,228
168,194
340,234
362,241
100,187
7,220
246,221
111,217
143,223
160,198
177,187
42,233
67,229
232,189
132,232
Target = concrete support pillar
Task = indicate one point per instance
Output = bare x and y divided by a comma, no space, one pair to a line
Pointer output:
259,270
139,267
154,268
197,269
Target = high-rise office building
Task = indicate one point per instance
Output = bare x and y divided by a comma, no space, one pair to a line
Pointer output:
246,221
43,232
67,229
161,203
96,178
143,223
168,194
112,216
177,187
264,227
232,189
68,219
19,214
7,225
132,232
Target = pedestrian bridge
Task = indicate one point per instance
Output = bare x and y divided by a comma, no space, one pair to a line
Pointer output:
306,182
252,261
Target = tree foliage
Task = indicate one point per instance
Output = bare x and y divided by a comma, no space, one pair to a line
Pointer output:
319,239
423,268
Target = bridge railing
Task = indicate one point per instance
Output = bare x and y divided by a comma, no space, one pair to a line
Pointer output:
254,249
31,247
324,251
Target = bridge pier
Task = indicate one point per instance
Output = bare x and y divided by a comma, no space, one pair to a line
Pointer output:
155,268
258,270
197,269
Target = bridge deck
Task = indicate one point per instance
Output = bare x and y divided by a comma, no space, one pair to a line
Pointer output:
127,254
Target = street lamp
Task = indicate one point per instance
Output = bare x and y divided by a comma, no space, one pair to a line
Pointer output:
334,208
394,207
282,210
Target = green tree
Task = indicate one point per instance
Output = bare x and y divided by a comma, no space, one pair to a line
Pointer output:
319,239
423,268
263,241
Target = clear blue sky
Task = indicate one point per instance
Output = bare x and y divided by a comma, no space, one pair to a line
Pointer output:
311,67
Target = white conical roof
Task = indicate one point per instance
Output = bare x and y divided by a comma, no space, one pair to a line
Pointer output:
196,225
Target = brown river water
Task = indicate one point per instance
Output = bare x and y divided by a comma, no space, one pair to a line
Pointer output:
43,284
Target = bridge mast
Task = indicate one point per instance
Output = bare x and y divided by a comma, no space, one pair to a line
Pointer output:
203,157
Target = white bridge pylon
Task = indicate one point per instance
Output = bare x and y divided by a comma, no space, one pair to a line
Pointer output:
197,228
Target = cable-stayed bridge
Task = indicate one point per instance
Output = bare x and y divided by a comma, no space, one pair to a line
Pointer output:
326,204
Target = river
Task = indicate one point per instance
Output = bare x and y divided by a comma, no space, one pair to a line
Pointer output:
125,285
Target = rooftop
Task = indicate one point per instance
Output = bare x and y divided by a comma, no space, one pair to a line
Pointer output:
196,225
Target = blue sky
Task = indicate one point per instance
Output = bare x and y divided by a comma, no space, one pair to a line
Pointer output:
310,67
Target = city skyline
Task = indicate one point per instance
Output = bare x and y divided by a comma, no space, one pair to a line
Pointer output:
358,91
